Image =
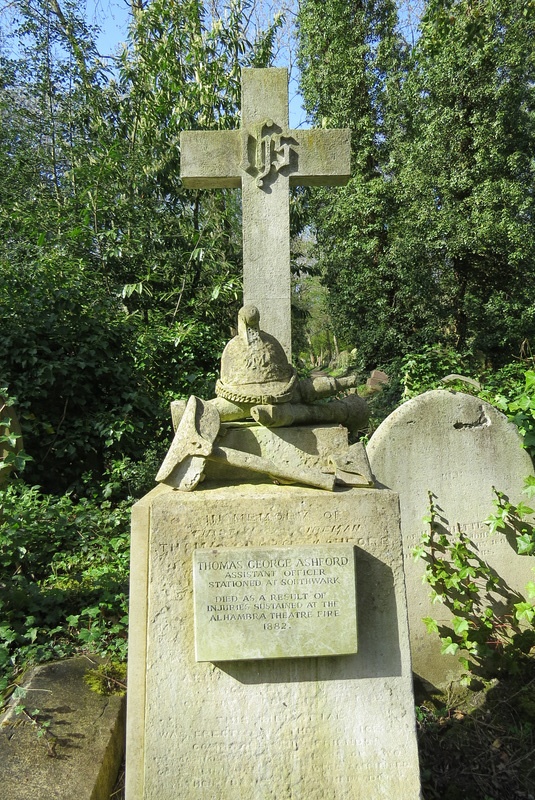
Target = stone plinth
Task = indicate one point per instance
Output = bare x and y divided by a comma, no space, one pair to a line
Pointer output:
307,446
309,728
457,447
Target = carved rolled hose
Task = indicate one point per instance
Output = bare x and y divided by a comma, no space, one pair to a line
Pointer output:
323,386
351,411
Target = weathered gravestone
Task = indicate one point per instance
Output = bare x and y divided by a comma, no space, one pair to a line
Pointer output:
458,447
268,649
67,743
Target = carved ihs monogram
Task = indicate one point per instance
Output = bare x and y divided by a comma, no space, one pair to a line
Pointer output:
265,147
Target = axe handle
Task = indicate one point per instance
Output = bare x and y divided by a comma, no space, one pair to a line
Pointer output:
237,458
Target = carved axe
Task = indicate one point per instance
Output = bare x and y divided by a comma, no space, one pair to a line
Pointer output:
194,440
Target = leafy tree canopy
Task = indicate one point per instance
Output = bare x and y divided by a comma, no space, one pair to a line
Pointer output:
118,286
432,240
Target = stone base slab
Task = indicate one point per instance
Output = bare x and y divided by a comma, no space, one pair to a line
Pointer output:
85,737
336,727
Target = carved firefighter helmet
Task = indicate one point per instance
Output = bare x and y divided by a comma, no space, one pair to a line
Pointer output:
254,366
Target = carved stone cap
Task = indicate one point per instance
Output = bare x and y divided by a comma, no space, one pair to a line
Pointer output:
254,366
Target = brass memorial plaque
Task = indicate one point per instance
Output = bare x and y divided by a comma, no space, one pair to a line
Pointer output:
277,602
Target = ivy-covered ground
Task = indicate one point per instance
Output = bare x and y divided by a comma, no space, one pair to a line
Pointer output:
64,571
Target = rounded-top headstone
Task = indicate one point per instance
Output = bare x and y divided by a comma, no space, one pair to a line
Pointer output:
458,447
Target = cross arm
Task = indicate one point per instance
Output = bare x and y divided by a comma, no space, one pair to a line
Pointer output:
210,159
324,157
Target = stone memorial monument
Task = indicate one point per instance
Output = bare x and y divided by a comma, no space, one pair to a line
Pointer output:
268,649
458,447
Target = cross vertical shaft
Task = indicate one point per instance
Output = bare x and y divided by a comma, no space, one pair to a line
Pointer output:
266,212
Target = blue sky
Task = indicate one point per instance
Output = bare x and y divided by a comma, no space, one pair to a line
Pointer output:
112,17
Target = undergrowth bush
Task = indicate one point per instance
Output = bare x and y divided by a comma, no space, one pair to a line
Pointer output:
511,388
93,382
425,370
63,577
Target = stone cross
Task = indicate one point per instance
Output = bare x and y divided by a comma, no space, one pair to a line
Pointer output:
265,158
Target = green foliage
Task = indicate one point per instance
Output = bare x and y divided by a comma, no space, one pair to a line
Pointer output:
465,167
351,61
431,242
71,363
64,577
491,626
425,370
517,400
118,286
511,388
12,456
511,519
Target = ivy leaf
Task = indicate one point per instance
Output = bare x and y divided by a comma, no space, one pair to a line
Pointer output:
32,634
494,522
449,647
418,552
530,589
524,611
467,572
430,624
8,635
530,379
460,625
525,544
529,486
453,581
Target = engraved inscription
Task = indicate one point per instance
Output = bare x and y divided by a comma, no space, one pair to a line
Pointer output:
279,602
